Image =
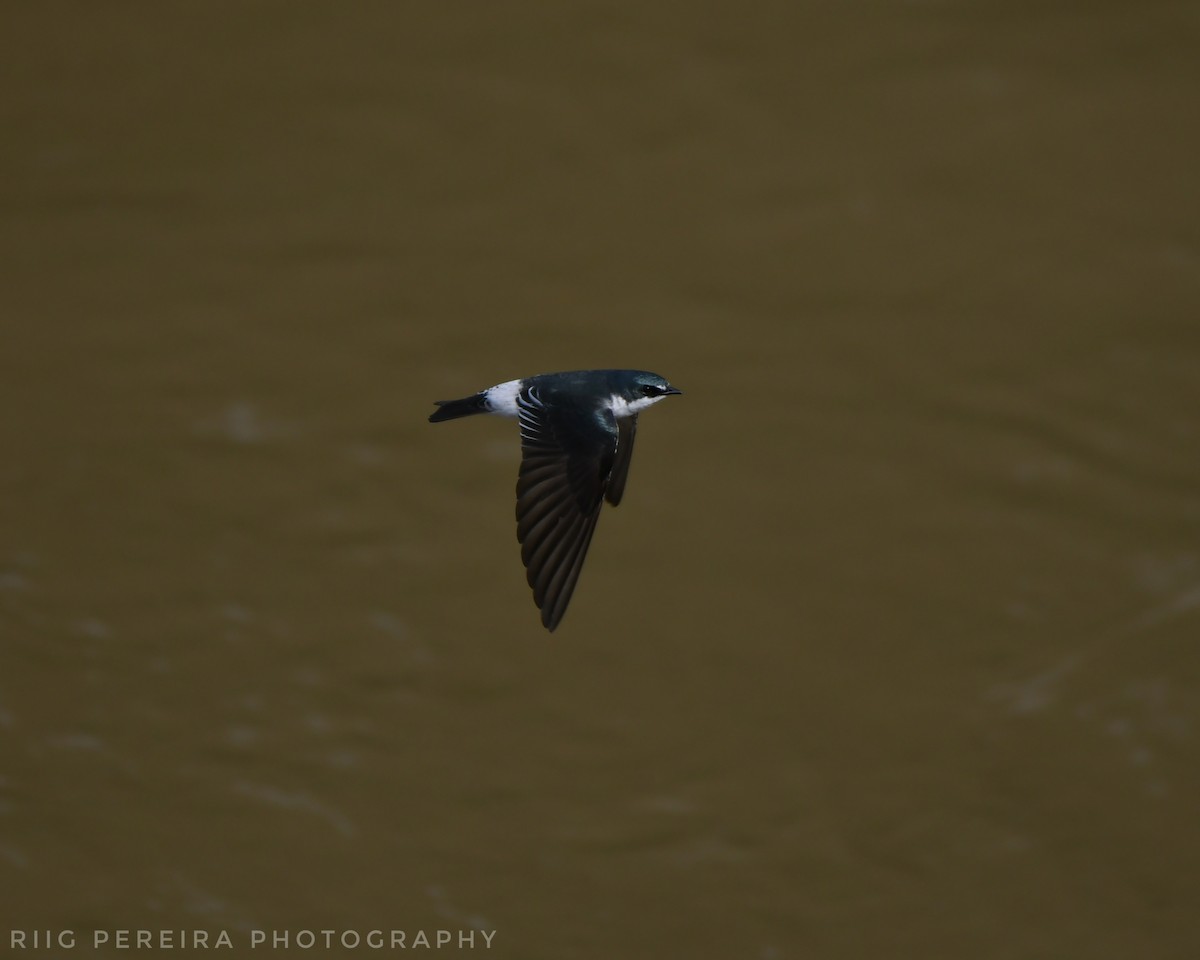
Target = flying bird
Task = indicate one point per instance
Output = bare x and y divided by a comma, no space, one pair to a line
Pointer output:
577,432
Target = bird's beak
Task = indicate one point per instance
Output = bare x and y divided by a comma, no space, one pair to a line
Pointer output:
671,390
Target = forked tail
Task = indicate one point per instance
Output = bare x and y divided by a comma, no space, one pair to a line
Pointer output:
453,409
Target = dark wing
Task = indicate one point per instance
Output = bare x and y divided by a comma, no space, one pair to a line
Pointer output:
620,472
566,460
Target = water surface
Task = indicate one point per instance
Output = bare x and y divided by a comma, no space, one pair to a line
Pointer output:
890,649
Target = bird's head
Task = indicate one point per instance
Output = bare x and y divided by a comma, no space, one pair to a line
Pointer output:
638,389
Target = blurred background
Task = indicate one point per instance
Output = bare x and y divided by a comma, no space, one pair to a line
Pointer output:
891,649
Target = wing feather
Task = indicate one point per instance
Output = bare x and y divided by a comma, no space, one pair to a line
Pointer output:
566,464
626,431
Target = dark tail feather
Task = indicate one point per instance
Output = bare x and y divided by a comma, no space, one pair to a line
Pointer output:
453,409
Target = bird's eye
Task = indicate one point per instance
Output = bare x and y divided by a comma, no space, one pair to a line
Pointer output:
650,390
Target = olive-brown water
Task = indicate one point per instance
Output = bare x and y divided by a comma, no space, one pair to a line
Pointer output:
891,650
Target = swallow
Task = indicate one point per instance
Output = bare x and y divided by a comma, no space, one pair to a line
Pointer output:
577,433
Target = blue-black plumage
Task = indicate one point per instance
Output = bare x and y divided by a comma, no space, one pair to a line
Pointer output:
577,433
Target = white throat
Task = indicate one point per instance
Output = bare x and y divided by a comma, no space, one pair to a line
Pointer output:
622,408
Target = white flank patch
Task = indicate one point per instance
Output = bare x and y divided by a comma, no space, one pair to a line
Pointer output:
502,398
623,408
